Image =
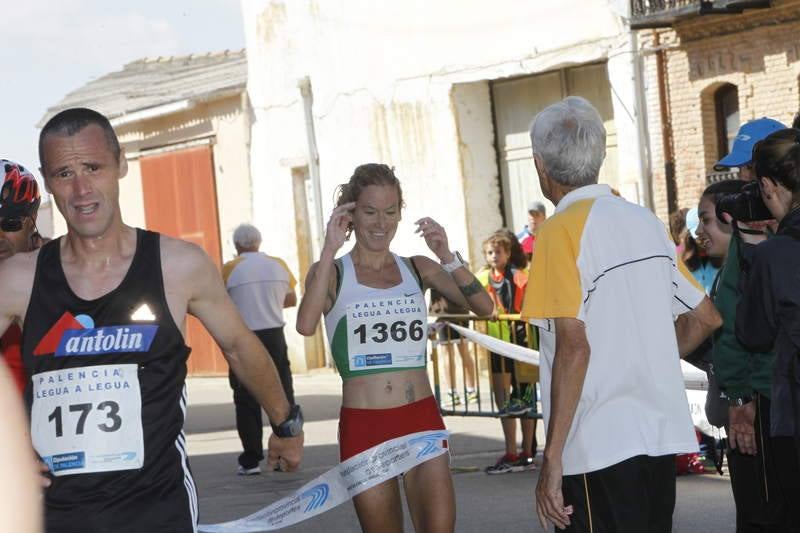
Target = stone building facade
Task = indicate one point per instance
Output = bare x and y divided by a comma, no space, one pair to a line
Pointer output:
704,76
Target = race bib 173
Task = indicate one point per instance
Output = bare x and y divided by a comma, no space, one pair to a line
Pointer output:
88,419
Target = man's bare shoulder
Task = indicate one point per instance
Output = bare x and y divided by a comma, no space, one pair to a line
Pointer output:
178,249
184,262
16,280
18,267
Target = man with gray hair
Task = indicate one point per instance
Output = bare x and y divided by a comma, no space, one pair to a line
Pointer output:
261,287
613,312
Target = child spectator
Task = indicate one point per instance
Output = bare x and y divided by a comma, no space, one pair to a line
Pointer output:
505,279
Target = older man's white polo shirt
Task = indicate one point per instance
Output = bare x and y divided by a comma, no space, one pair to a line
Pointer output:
611,264
258,285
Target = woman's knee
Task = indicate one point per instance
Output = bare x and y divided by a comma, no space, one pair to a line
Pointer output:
379,509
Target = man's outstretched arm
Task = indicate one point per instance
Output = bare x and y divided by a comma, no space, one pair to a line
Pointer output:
246,355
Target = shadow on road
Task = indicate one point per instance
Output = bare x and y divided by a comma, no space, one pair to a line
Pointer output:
204,418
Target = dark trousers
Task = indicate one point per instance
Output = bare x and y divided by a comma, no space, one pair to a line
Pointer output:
249,421
766,486
633,496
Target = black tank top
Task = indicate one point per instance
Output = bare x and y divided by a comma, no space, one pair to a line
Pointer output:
86,360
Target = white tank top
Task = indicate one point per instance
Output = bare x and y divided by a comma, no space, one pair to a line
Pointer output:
377,330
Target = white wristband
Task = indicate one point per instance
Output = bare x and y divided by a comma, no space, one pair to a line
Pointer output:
455,264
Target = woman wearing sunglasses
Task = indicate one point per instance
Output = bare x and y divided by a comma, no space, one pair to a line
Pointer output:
19,203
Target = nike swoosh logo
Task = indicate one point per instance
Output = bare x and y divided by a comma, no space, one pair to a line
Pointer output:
410,295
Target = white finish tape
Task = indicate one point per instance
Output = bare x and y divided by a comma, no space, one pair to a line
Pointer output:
338,485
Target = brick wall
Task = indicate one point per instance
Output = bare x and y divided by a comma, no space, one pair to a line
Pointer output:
758,51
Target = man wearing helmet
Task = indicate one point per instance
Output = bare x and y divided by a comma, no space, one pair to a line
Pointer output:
19,204
104,313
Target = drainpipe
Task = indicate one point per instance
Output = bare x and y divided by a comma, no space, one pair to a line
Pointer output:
304,84
666,126
645,176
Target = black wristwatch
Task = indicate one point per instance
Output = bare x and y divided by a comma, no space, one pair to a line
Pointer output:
740,400
292,426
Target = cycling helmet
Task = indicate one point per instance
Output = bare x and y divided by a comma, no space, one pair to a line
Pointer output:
19,191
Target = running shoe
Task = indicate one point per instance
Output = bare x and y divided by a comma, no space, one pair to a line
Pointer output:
455,399
525,462
516,407
472,395
504,465
254,471
528,400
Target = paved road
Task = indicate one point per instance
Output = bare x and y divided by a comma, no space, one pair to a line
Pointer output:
485,503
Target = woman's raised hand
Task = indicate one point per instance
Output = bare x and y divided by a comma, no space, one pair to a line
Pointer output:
336,232
435,237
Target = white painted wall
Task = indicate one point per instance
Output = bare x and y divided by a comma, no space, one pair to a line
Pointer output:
407,83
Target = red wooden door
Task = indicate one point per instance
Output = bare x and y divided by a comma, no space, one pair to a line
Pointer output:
180,200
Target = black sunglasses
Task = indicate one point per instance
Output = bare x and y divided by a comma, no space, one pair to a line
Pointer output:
11,225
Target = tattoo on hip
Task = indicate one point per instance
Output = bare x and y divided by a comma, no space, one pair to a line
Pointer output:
411,397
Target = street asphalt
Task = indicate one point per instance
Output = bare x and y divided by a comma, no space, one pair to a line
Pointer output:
484,503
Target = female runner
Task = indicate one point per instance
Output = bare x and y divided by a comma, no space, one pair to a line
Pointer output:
374,307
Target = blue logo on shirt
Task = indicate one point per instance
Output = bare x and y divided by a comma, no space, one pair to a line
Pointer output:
106,340
66,461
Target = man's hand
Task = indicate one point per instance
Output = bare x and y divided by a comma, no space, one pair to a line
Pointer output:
549,498
741,433
284,455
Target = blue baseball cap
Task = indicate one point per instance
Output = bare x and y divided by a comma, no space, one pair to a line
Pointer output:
749,134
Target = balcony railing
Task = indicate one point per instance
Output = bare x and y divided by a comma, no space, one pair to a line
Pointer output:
665,13
661,13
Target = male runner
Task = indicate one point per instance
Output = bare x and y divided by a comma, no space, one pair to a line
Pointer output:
103,312
19,205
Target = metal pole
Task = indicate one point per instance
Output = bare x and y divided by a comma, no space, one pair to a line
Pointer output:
304,84
666,128
645,177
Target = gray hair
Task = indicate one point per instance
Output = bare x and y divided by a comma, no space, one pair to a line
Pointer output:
570,139
246,236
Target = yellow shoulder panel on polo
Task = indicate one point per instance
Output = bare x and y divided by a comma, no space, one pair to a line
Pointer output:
228,267
292,281
554,283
